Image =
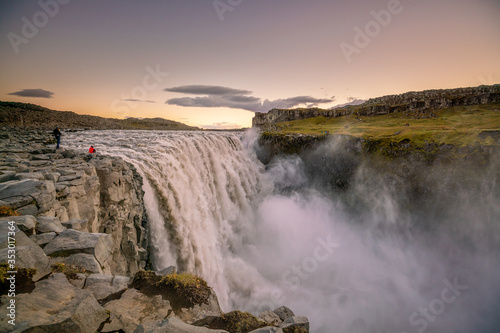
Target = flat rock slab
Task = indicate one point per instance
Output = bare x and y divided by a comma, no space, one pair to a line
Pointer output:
26,223
104,285
49,224
83,260
73,241
55,306
29,175
18,192
42,239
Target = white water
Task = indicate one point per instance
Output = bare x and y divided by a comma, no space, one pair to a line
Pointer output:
215,211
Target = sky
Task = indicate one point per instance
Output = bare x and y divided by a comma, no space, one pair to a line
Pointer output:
213,64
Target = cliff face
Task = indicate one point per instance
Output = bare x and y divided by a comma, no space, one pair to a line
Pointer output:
415,104
91,194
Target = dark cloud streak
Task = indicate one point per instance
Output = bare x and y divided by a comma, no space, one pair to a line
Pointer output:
207,90
38,93
137,100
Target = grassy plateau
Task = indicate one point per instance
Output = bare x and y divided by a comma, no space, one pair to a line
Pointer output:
459,126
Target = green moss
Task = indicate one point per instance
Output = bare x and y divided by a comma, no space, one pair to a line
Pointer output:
70,271
193,288
182,290
24,279
7,211
237,322
295,330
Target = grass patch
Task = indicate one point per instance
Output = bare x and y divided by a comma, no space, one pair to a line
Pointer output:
295,329
458,126
191,287
70,271
237,322
7,211
24,279
182,290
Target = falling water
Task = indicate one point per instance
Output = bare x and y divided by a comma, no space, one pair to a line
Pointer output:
200,189
352,261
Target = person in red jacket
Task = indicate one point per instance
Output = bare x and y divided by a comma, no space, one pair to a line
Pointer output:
91,149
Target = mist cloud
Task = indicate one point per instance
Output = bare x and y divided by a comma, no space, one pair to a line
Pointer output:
39,93
218,96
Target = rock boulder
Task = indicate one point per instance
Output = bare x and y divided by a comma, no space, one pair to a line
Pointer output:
55,306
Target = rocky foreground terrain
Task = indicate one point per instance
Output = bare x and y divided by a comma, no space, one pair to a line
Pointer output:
79,229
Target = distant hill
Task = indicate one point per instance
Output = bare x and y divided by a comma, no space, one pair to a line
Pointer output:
14,114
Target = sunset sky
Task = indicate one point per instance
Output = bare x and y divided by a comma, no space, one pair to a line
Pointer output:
214,63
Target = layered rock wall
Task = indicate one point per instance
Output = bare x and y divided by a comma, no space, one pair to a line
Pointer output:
416,104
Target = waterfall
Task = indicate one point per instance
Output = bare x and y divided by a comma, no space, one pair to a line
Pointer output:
200,194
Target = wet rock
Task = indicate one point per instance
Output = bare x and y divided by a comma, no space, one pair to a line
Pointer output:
296,321
167,271
283,313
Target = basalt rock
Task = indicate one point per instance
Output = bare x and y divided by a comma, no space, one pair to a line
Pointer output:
55,306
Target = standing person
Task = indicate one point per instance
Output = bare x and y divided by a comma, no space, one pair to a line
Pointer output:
92,150
57,135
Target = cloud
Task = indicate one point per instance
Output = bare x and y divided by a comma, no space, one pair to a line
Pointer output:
33,93
237,99
137,100
222,126
207,90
